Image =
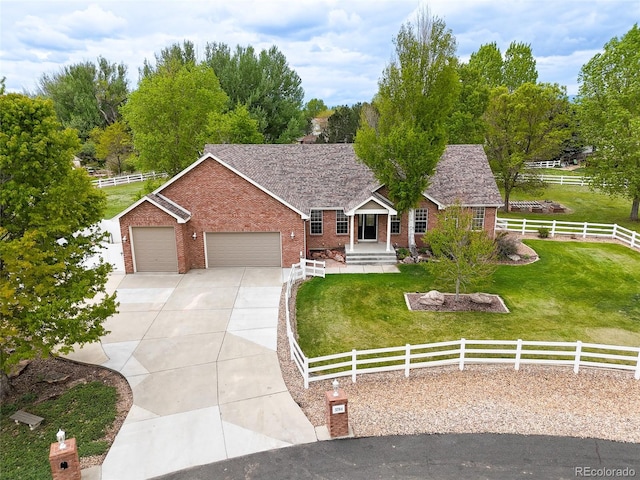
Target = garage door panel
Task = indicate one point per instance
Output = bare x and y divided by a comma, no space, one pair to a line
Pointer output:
154,249
244,249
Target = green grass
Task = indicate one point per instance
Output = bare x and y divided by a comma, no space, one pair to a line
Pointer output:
560,297
585,205
578,172
84,412
120,197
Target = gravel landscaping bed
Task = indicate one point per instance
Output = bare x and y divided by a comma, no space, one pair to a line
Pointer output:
483,398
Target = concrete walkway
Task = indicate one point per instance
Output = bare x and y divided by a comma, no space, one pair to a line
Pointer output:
199,351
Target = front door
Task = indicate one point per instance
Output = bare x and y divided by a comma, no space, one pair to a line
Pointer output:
368,227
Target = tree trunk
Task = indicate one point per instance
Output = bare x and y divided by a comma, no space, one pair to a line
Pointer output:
5,385
411,229
506,199
634,209
457,289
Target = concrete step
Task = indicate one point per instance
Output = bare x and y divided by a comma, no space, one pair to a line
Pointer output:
371,258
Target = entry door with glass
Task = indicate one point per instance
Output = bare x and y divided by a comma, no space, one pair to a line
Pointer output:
368,227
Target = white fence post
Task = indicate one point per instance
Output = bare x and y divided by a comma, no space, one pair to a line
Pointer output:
354,364
462,354
614,232
576,363
553,229
524,226
518,353
637,375
306,372
407,360
633,238
584,230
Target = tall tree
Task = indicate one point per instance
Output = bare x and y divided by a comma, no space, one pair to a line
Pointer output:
167,115
465,125
171,58
527,125
343,124
519,66
404,141
266,84
235,126
609,112
46,211
487,61
464,256
87,95
113,145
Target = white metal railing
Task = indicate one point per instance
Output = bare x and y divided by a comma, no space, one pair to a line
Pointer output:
581,229
463,352
299,271
138,177
545,164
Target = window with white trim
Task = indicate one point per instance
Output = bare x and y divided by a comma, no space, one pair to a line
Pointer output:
395,224
420,221
316,222
477,221
342,223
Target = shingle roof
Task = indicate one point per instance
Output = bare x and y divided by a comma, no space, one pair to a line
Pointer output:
330,175
169,206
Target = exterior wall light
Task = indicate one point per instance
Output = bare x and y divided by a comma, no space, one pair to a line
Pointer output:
293,235
124,239
61,437
336,385
194,236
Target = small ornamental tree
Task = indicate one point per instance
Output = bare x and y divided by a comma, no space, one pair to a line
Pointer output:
464,257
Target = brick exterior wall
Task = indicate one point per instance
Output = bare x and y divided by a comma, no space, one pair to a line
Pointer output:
219,201
329,237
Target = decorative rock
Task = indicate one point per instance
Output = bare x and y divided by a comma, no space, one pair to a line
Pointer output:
481,298
514,258
338,258
408,260
433,297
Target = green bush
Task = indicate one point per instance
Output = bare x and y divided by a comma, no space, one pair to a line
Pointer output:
543,232
402,253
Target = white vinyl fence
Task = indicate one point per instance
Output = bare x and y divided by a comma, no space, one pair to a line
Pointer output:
138,177
547,164
457,352
464,352
565,180
578,229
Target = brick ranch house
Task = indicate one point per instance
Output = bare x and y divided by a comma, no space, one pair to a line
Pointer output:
268,205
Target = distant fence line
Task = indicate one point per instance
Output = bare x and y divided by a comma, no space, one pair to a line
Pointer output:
122,180
580,229
545,164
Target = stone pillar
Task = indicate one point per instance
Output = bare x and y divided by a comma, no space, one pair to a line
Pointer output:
337,414
65,464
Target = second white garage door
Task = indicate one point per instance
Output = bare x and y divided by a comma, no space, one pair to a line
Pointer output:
244,249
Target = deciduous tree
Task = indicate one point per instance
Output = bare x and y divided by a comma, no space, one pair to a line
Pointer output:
527,125
403,138
236,126
167,115
114,145
49,298
609,114
464,256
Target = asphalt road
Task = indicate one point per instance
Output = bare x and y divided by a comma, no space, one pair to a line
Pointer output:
442,457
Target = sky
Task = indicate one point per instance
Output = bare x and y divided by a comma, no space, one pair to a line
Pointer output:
339,48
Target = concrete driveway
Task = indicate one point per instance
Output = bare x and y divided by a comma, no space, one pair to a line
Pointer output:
199,351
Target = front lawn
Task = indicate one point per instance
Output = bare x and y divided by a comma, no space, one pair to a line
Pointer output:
121,196
576,291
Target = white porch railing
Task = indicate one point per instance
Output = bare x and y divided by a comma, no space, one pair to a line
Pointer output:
139,177
464,352
580,229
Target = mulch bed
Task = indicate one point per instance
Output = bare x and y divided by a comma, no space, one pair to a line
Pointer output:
464,304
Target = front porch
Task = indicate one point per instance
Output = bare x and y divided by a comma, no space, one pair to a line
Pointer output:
370,253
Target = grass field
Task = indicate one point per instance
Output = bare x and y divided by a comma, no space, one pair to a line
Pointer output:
585,205
560,297
120,197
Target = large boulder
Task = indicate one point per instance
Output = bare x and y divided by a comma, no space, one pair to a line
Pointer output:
481,298
433,297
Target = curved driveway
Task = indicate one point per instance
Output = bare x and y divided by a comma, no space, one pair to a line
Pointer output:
199,351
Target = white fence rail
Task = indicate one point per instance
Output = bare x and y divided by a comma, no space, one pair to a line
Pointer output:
580,229
565,180
139,177
547,164
464,352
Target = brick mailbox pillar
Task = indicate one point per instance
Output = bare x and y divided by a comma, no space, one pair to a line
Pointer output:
65,464
337,413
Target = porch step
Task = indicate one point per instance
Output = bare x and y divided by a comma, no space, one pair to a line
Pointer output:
371,258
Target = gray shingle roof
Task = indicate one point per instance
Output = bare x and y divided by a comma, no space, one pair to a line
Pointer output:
330,176
171,207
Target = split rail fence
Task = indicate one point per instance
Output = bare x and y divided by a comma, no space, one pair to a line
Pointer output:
456,352
524,226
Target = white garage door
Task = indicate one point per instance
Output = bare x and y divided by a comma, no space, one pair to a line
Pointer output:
154,249
244,249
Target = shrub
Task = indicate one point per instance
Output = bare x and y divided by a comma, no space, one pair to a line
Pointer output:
506,245
543,232
402,253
